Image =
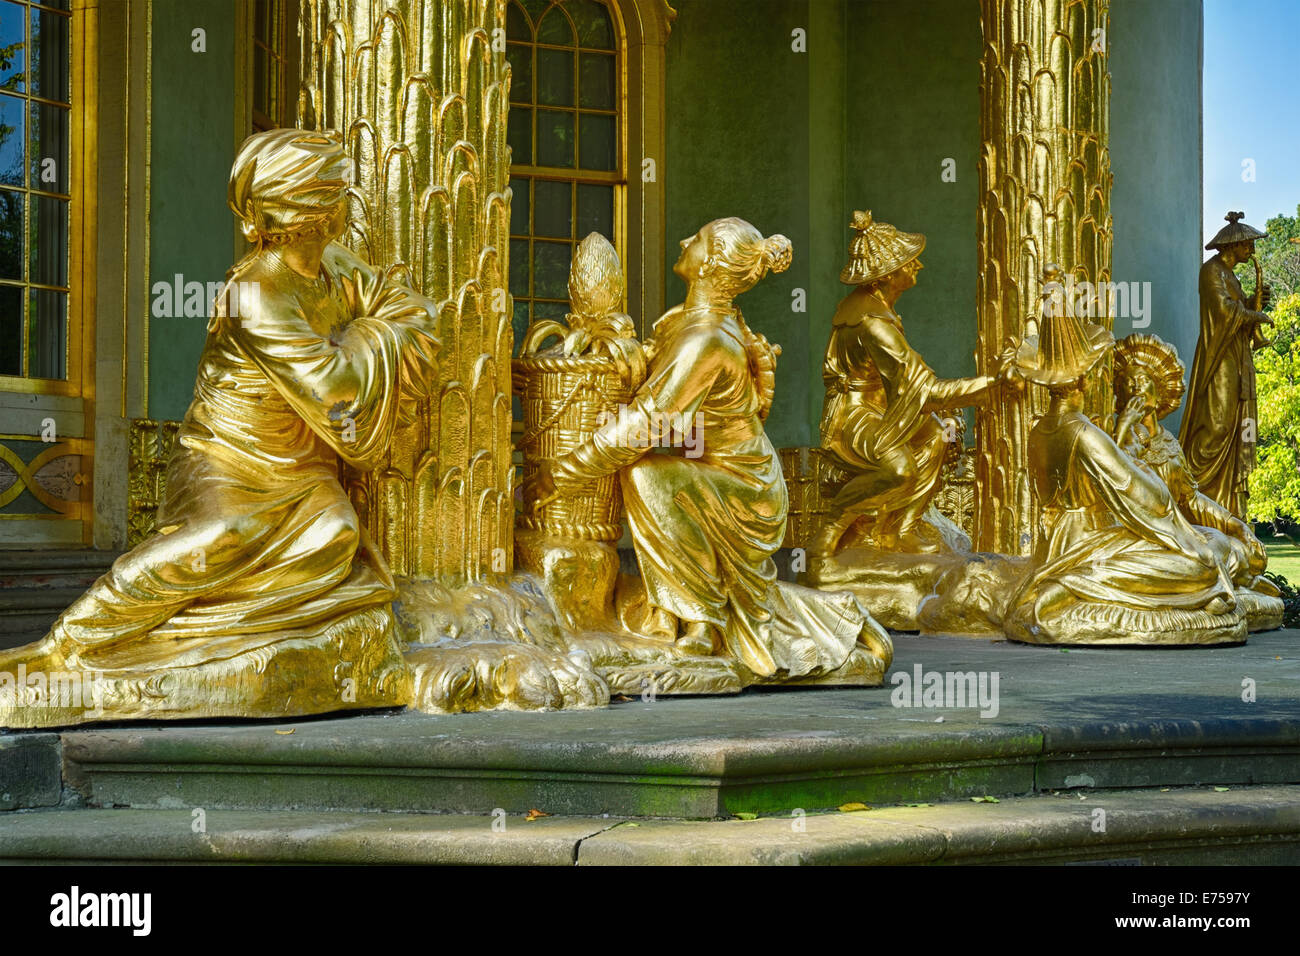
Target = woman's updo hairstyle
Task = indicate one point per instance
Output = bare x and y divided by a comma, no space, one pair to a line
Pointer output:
739,255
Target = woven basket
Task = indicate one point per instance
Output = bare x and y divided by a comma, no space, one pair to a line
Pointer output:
563,400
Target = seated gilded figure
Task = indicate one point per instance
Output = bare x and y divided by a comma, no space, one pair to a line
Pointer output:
1118,562
706,524
259,594
1148,387
880,428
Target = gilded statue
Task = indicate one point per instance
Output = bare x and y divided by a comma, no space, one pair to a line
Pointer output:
259,594
1118,562
881,427
707,513
1219,423
1148,379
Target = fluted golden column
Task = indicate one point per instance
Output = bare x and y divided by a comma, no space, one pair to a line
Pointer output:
421,98
1045,178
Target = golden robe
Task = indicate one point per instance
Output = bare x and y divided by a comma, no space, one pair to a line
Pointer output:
877,420
1222,394
256,542
1119,563
705,528
1241,552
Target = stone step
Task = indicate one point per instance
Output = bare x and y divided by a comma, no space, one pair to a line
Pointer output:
15,602
1087,719
27,613
53,568
37,586
622,762
1201,826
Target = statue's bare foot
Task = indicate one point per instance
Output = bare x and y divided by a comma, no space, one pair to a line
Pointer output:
661,625
877,641
697,639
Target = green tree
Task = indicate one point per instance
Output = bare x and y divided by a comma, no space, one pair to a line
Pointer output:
1275,482
1278,256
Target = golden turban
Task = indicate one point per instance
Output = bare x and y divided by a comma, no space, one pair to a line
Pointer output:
285,179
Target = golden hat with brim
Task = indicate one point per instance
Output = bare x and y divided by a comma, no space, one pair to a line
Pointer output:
1234,231
1160,361
878,249
1065,348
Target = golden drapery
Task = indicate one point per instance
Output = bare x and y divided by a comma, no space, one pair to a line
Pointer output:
1118,563
257,543
1222,395
705,528
1231,537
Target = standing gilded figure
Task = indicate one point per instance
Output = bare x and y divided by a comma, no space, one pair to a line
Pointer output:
1219,423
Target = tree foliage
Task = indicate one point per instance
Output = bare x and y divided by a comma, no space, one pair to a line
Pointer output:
1275,482
1278,257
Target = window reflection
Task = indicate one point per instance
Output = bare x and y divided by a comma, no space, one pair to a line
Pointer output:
35,158
564,139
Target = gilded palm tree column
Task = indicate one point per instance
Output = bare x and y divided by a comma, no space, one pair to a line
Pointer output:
420,94
1045,179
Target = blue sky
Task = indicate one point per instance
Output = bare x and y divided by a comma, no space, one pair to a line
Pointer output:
1252,109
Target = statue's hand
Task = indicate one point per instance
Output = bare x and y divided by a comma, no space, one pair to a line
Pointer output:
1134,410
1266,297
1011,377
1007,373
540,490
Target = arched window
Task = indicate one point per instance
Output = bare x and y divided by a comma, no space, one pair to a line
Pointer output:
568,171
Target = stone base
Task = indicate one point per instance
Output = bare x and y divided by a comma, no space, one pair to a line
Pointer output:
1158,719
1201,827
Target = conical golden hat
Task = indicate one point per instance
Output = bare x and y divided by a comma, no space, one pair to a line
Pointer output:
1065,349
878,249
1234,231
1160,360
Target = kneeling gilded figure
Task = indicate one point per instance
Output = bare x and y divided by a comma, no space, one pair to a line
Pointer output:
1118,562
259,593
706,526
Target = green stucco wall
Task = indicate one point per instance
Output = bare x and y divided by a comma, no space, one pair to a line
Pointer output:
865,119
1155,152
794,142
738,145
913,97
192,149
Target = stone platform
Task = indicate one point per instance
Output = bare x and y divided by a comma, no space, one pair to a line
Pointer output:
1149,733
